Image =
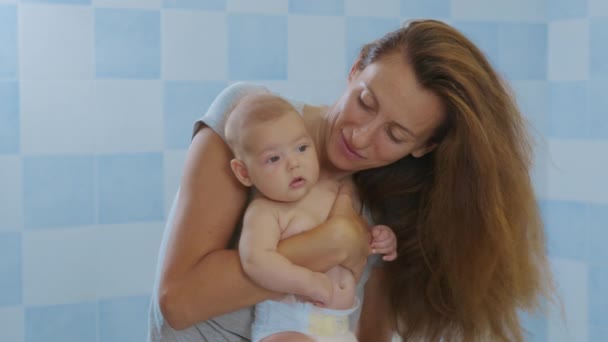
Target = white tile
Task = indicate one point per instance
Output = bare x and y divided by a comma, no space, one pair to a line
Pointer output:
569,50
194,45
151,4
128,254
60,266
12,327
320,58
310,92
57,117
258,6
173,167
571,280
514,10
577,171
129,116
380,8
8,1
598,8
11,196
56,42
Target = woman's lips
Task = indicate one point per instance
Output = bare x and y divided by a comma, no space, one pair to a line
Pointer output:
349,151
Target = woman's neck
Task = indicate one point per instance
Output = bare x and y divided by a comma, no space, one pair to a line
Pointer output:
316,121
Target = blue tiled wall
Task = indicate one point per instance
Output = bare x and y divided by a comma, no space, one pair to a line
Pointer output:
97,100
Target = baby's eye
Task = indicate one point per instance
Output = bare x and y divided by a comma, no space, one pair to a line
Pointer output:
272,159
302,148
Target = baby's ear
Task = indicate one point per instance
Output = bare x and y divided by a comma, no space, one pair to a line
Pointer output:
240,171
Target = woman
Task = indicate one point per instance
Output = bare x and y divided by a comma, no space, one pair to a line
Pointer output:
438,151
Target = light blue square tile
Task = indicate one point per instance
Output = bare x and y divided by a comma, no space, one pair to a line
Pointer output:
317,7
568,50
257,47
363,30
425,8
598,296
566,229
130,187
209,5
11,193
127,43
568,110
68,2
532,100
597,222
522,51
123,319
186,102
58,191
597,109
8,37
65,323
56,42
535,326
501,11
12,324
9,118
598,36
566,9
483,34
10,269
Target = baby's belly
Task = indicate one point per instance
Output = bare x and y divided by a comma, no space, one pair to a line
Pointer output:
344,288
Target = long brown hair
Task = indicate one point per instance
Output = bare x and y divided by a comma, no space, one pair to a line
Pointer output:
470,239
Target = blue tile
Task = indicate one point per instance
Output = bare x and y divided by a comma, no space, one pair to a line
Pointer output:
566,9
598,36
523,51
8,37
58,191
598,332
535,326
209,5
425,8
10,269
566,230
568,110
257,47
363,30
598,296
123,319
127,43
598,106
483,34
184,103
9,117
65,323
317,7
130,188
69,2
597,223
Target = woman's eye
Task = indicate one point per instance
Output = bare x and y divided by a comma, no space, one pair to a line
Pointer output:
302,148
272,159
392,136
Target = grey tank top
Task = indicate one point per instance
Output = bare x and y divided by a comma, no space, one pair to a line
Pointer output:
234,326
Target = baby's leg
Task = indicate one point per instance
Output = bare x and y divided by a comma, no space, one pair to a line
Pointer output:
288,336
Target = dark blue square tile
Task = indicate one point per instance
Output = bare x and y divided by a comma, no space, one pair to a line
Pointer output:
10,269
8,37
65,323
317,7
257,47
123,319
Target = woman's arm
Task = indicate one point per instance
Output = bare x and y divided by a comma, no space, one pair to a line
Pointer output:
375,321
200,278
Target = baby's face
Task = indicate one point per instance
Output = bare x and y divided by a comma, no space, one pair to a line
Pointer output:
281,158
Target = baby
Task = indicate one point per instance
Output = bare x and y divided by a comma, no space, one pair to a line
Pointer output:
275,154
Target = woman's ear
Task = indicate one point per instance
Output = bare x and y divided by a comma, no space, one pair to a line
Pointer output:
421,151
240,171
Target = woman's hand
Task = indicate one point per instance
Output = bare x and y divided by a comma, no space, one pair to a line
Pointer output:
354,235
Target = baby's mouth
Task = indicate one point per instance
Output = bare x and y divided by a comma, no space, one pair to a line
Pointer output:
297,182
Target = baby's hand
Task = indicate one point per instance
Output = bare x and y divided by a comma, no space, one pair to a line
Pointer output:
322,290
384,242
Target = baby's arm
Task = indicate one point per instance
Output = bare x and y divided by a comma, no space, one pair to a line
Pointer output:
265,266
384,242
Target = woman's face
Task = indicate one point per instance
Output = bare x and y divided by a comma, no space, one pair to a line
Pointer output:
383,116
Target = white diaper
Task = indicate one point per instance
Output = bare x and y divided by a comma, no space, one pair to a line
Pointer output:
272,317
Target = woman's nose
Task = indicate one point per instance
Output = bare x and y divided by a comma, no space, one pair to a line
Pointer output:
363,134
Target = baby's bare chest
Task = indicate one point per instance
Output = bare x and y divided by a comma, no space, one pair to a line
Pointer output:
309,212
